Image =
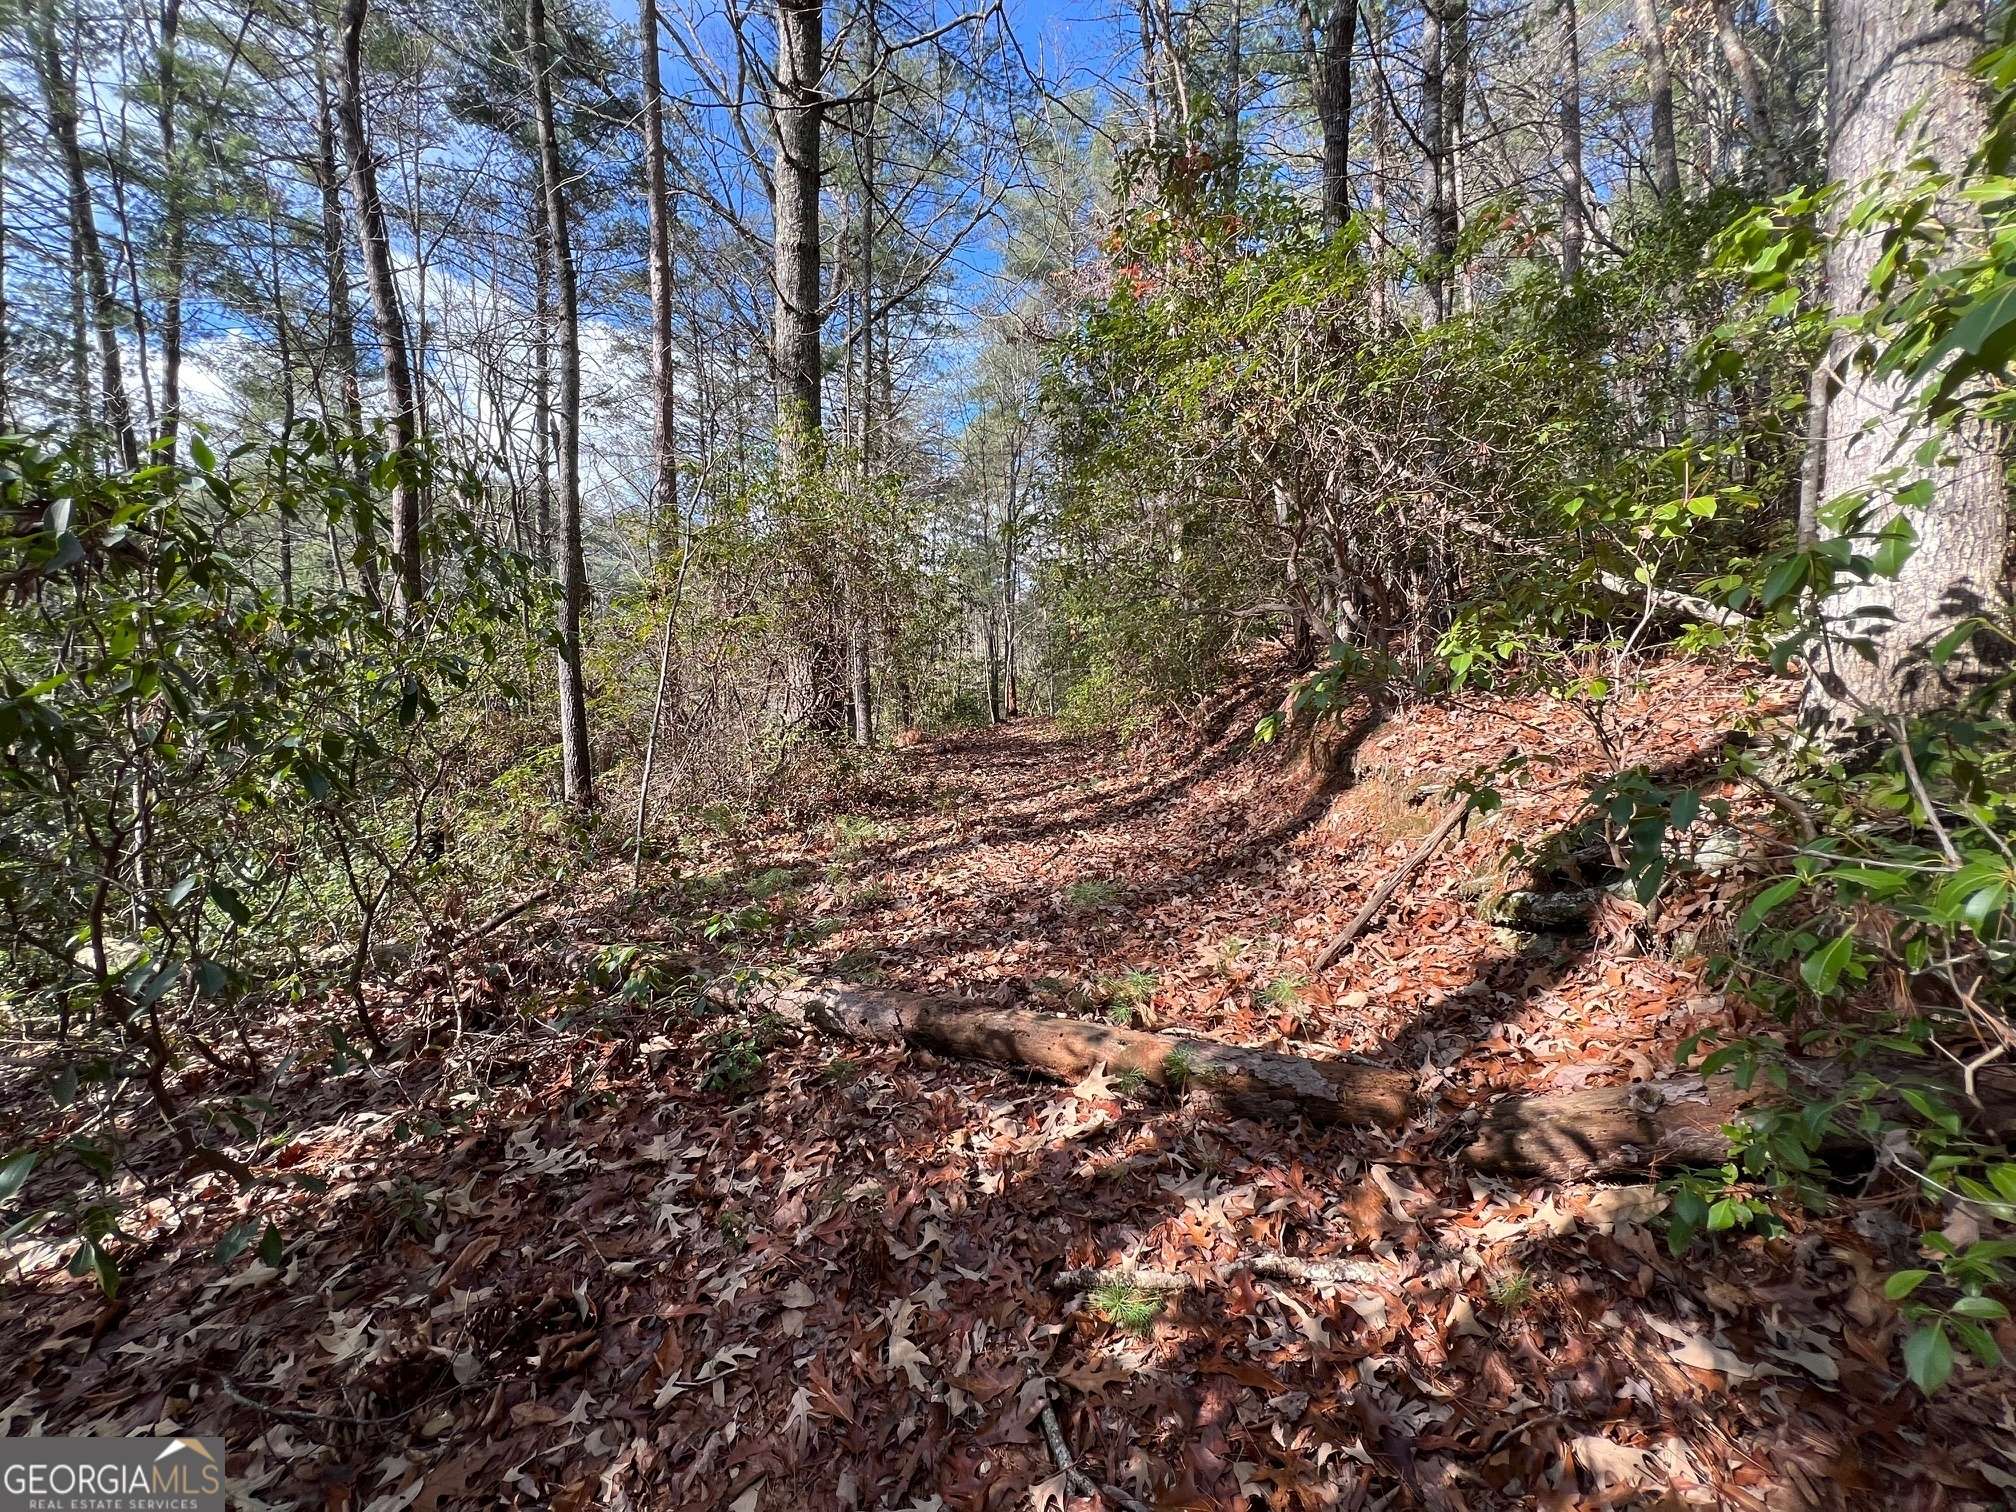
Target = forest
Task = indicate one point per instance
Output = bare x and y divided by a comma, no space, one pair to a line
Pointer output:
974,754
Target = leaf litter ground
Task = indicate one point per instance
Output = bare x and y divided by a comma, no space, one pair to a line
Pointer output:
592,1243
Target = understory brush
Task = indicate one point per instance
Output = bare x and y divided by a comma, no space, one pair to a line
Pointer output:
226,796
1536,493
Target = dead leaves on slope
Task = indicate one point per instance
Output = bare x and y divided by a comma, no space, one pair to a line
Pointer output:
588,1283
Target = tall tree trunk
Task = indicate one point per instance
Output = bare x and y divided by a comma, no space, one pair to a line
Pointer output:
1382,152
1434,168
118,154
174,235
860,631
1751,89
1235,151
1176,50
1011,547
1327,54
664,367
391,321
6,351
342,318
576,777
1570,166
1455,134
684,546
869,165
283,338
83,411
860,687
797,111
60,99
1150,71
1659,94
1886,60
797,107
906,712
542,370
993,668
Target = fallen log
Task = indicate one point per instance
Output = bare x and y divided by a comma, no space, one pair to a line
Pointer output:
1590,1131
1679,1121
1618,1128
1267,1084
1642,1126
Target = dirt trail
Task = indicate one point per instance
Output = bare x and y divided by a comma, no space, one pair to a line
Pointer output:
1194,886
589,1247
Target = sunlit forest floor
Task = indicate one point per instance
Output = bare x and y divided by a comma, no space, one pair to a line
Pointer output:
592,1241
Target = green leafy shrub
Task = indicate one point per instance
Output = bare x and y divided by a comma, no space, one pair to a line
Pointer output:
201,767
735,1057
1882,937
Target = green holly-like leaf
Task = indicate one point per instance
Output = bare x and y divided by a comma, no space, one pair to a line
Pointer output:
1822,970
1928,1357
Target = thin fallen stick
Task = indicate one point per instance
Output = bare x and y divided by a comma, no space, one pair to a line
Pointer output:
468,937
1089,1278
1080,1483
1342,1271
307,1417
1636,1127
499,919
1671,602
1385,890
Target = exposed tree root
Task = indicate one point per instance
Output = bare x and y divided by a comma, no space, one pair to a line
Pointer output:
1566,910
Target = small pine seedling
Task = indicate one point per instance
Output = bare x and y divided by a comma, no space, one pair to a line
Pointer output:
1133,1308
841,1071
1181,1068
1283,993
1512,1290
1094,894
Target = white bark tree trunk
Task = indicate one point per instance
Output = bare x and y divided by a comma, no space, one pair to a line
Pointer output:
1886,60
664,366
1570,166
